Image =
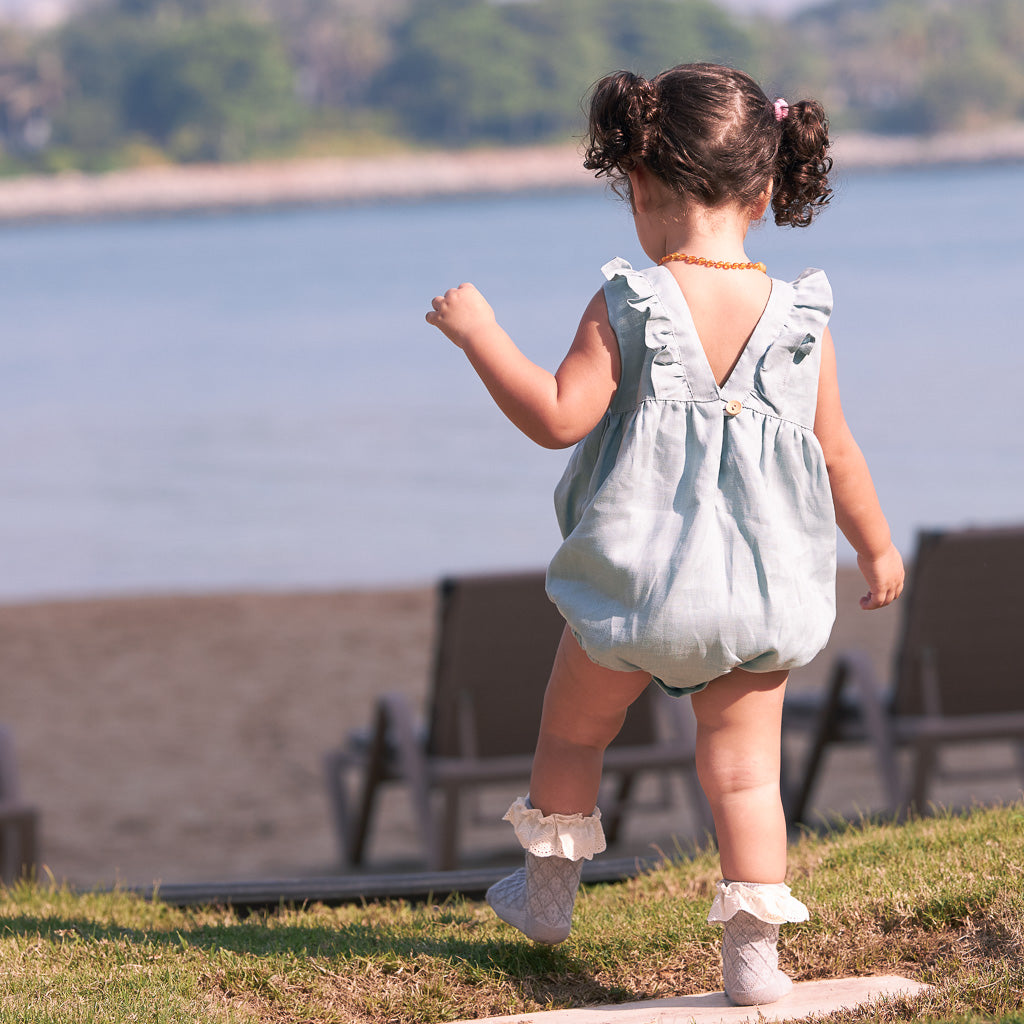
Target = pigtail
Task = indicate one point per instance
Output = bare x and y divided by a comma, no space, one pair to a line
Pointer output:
802,164
623,110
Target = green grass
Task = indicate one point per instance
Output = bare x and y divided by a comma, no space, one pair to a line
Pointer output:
940,900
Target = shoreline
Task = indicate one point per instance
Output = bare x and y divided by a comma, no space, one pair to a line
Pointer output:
413,176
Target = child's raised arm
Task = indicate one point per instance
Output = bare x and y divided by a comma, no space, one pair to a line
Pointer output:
555,410
858,512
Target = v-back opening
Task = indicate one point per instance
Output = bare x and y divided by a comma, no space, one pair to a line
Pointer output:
722,386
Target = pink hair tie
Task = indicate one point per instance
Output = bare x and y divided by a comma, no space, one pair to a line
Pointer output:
781,109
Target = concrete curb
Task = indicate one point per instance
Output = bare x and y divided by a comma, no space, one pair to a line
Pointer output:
809,998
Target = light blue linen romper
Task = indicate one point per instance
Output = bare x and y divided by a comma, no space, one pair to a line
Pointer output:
698,538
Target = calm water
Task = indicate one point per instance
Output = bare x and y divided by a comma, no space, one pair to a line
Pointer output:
255,400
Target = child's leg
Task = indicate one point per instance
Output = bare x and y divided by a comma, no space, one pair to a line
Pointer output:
739,740
584,707
739,733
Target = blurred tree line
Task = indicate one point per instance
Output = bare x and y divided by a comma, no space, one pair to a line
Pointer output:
130,81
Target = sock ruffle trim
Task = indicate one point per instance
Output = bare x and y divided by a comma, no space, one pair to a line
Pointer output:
771,903
571,836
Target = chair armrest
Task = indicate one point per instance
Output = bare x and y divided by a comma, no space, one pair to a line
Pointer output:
359,741
387,749
411,763
404,739
835,717
804,710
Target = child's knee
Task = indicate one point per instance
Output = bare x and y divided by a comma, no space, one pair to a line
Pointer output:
731,772
573,726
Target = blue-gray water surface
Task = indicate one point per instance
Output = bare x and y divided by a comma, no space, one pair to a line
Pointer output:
254,400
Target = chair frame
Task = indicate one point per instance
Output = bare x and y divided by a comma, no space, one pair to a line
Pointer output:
912,714
398,749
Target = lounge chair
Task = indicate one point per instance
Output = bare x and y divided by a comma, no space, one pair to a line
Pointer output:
18,820
957,675
496,640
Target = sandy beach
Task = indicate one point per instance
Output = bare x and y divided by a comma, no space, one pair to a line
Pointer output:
155,190
179,738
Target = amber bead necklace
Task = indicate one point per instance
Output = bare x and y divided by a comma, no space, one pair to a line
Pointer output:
703,261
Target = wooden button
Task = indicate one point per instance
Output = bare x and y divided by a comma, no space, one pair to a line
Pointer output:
733,408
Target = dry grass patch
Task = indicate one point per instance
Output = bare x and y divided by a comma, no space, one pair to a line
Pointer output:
938,900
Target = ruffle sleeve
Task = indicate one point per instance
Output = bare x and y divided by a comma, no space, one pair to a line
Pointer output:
636,309
811,308
786,378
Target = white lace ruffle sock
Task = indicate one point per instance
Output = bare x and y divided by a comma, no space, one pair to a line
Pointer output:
538,899
751,914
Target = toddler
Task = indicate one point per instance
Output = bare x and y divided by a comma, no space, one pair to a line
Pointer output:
699,507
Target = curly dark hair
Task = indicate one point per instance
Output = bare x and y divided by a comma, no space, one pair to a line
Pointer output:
711,135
